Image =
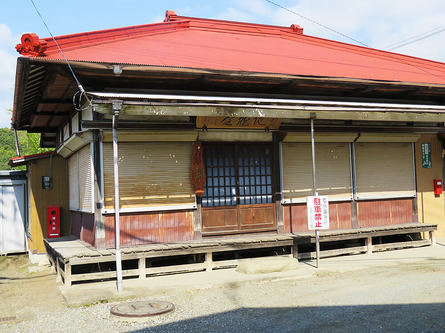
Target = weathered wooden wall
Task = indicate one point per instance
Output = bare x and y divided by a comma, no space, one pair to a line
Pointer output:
384,212
295,216
40,198
150,227
369,213
83,226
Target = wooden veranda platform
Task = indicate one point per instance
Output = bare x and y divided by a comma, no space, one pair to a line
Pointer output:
371,236
68,252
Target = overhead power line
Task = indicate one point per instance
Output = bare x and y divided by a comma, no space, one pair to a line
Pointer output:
315,22
57,44
81,91
341,34
416,38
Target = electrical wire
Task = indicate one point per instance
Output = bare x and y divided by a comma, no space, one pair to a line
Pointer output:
82,94
363,44
79,85
390,47
315,22
396,45
416,38
77,105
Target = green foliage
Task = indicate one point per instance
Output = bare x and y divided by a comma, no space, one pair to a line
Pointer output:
29,144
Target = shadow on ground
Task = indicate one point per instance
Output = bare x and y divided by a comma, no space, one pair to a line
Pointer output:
5,279
360,318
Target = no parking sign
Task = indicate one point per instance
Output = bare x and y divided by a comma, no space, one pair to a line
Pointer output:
318,213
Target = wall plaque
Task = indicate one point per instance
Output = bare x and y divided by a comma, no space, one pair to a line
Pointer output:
238,122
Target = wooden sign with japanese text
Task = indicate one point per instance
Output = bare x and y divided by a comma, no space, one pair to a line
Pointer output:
426,156
238,122
318,213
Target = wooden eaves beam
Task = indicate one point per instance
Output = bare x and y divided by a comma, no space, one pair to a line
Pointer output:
303,112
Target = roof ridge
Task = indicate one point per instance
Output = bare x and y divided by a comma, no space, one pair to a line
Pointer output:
171,16
32,45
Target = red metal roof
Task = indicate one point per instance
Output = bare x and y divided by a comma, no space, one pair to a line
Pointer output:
21,160
234,46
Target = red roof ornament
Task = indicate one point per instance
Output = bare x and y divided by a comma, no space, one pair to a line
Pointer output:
296,28
170,16
31,45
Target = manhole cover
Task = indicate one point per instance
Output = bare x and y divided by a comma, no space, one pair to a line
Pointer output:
141,309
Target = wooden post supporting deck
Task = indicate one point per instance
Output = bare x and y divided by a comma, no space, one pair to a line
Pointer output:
67,277
368,244
142,268
432,237
294,250
209,262
57,267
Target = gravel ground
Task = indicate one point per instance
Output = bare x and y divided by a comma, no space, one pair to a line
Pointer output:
401,298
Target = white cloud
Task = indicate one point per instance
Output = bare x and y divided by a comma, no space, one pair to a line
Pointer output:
257,7
376,23
7,70
7,74
156,19
6,37
232,14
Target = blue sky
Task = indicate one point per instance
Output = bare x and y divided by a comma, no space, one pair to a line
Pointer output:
377,23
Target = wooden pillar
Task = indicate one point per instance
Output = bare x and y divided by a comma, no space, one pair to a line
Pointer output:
142,268
209,262
57,267
294,249
277,137
197,221
432,237
368,244
354,218
68,274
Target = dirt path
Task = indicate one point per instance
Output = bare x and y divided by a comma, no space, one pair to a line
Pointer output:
26,289
404,297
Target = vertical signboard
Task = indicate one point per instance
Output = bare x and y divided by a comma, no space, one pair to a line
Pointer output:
426,156
318,213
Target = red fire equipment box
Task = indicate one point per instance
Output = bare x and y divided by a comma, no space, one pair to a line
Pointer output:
53,221
437,186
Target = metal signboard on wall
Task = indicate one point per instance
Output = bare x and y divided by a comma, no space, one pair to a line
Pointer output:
318,212
426,156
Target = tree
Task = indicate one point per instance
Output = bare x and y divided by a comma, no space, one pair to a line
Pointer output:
29,144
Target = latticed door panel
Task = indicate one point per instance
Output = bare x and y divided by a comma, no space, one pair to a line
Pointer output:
239,189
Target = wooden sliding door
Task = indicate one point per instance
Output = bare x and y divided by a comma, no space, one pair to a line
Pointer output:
239,189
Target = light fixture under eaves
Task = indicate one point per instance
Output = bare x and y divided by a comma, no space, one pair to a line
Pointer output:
117,70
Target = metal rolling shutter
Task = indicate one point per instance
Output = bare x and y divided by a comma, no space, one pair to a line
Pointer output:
73,171
150,174
384,170
86,180
333,171
80,169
